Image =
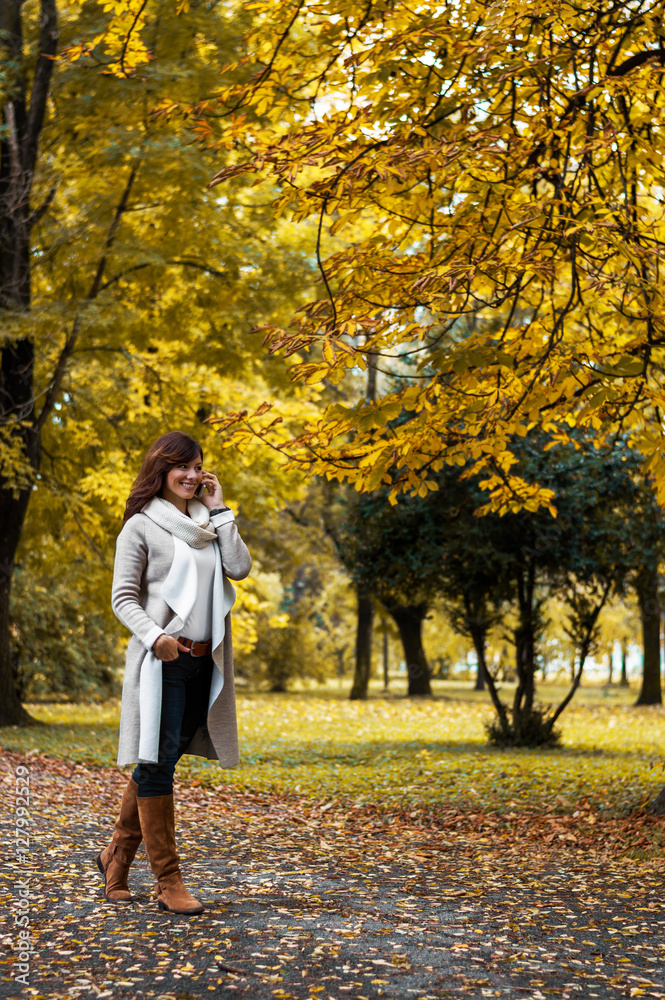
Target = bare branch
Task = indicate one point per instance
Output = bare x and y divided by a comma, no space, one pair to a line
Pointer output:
40,212
170,263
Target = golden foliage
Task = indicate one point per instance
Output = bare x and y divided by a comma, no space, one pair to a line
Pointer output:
496,175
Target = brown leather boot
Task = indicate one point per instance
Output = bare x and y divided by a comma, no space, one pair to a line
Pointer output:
114,861
158,826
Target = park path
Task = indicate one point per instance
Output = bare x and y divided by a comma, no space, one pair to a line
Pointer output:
308,900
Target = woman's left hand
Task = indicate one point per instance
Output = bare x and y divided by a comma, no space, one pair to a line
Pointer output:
213,496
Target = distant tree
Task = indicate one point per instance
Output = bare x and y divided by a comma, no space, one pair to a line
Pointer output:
472,580
394,553
334,502
647,532
363,644
619,626
589,551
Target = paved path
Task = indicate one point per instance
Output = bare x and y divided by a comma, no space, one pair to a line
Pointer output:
318,905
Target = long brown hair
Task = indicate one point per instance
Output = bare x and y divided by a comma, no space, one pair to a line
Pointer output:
168,450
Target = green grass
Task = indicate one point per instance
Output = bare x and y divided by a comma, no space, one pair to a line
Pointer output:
394,751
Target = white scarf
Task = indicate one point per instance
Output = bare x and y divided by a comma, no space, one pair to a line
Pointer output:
194,529
179,592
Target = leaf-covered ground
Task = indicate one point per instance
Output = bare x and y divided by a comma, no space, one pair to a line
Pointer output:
310,900
327,880
399,753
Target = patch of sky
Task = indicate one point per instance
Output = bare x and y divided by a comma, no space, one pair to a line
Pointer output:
423,315
482,110
377,131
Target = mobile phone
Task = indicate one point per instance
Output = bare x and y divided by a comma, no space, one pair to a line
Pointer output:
201,490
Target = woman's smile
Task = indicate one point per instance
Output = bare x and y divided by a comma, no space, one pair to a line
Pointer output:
184,484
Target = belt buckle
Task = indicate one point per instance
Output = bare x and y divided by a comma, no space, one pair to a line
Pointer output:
190,643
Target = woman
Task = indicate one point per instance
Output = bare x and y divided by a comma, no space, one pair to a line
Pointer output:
174,558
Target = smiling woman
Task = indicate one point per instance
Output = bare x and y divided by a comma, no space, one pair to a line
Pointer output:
173,459
174,558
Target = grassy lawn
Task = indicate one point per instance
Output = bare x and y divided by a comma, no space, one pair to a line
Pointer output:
393,751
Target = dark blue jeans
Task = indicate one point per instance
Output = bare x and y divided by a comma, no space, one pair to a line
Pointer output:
185,693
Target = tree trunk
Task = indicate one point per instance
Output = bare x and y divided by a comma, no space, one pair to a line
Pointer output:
12,516
525,646
480,674
647,595
589,622
610,667
409,621
385,658
363,646
22,123
623,682
478,637
524,663
658,805
477,628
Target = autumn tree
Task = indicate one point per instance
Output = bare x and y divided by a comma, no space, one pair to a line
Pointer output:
592,550
497,175
129,291
394,556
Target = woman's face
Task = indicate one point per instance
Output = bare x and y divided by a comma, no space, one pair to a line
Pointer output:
182,481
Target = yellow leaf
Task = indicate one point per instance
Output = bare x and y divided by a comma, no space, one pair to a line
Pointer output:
316,376
328,352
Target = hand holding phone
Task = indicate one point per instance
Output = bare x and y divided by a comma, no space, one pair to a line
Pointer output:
210,490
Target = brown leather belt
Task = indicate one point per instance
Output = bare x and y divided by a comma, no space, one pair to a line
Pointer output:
197,648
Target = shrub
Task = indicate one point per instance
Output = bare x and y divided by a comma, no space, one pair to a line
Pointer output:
58,646
531,728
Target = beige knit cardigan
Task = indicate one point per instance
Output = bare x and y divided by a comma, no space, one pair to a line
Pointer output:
152,594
